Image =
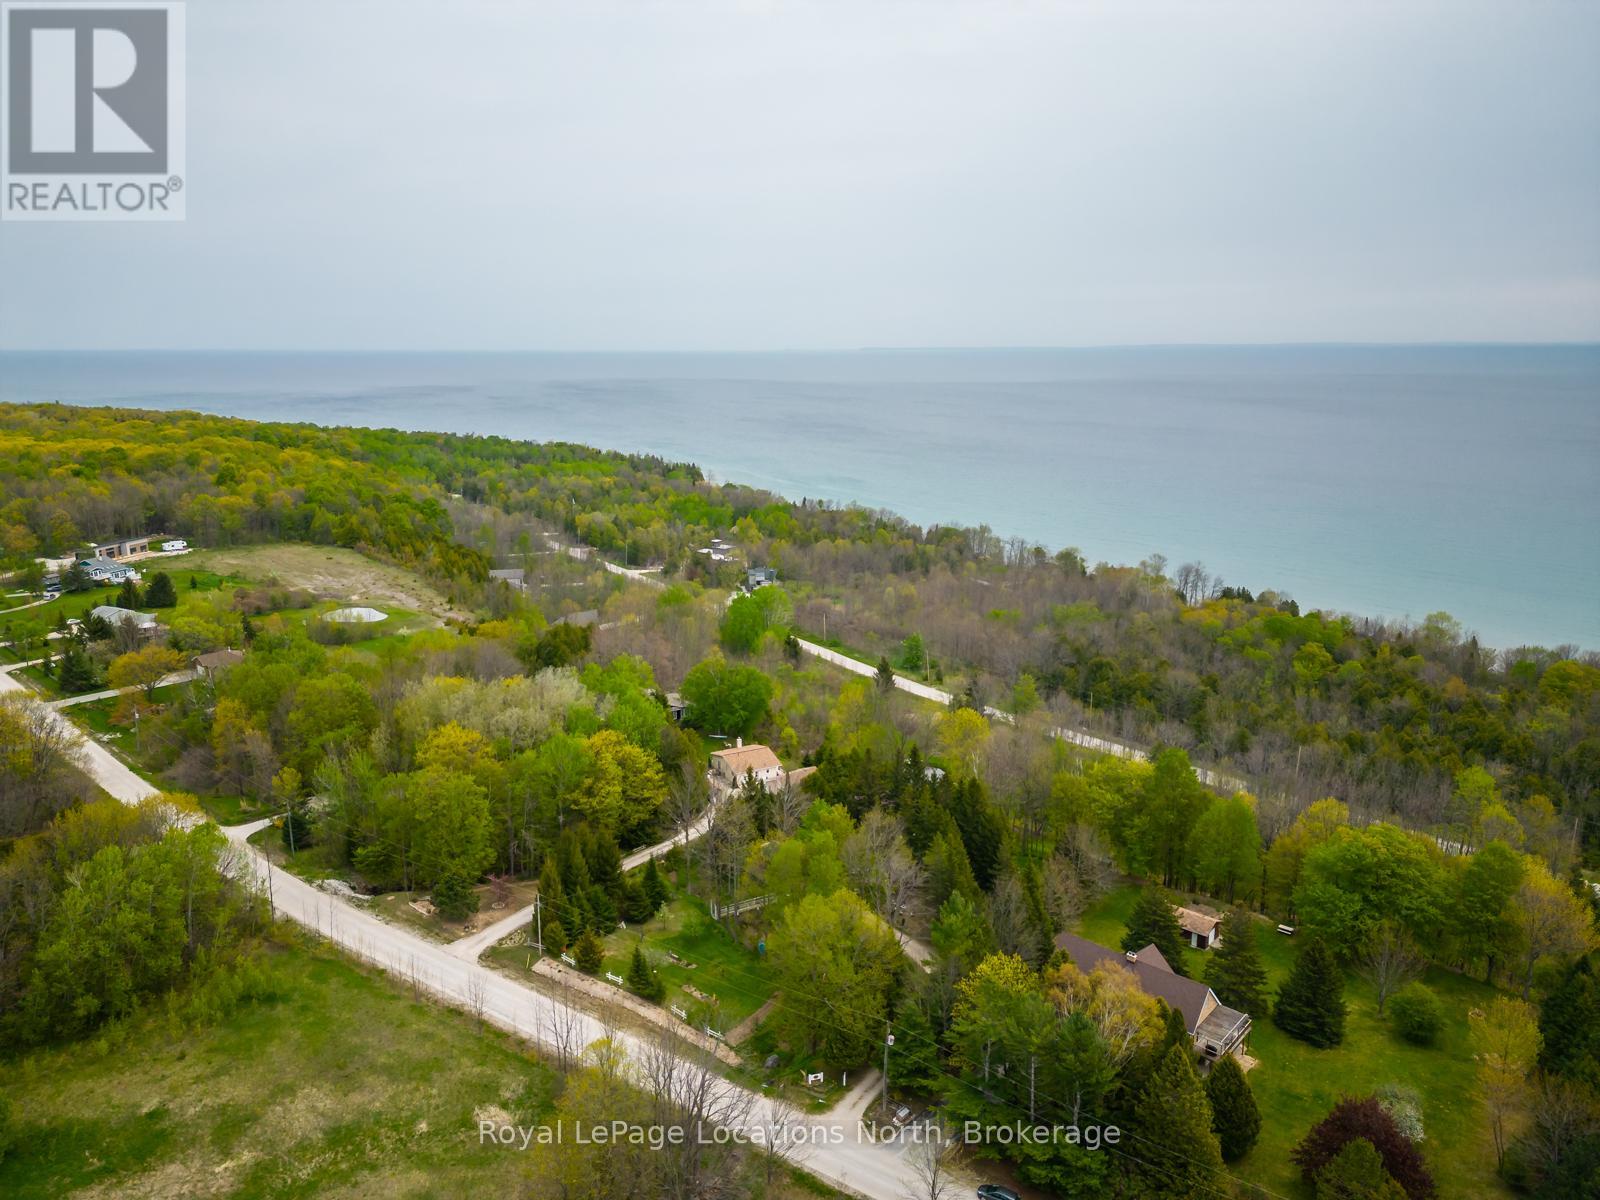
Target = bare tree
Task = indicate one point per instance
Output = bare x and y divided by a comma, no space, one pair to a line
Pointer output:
561,1029
929,1158
477,996
1560,1113
1391,960
688,1092
789,805
881,866
782,1141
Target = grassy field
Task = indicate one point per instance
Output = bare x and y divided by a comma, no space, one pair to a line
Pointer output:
331,572
343,1087
1295,1084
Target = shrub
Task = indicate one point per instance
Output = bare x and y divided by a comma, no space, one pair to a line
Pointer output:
555,936
588,952
454,897
1404,1106
1357,1173
1417,1014
1365,1117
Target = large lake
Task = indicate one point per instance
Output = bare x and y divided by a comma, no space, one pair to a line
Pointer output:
1384,480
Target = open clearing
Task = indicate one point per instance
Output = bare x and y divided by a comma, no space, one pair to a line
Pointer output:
332,572
341,1087
1295,1084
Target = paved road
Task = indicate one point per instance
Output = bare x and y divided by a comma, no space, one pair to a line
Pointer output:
854,1165
175,677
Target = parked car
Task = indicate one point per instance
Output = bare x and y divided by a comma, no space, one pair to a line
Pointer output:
993,1191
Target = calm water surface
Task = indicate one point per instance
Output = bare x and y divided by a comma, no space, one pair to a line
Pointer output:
1386,480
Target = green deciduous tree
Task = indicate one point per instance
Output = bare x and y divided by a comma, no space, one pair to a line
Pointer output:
726,699
1504,1036
836,964
1417,1014
144,669
1225,847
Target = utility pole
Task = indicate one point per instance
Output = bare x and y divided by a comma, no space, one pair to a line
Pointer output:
888,1040
1033,1062
538,921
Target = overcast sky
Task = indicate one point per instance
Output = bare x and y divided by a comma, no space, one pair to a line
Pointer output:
696,175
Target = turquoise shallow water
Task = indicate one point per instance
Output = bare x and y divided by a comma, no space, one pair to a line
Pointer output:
1384,480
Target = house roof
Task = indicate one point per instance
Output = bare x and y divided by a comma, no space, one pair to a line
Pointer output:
1155,977
588,616
510,574
218,658
116,616
799,775
1198,920
740,759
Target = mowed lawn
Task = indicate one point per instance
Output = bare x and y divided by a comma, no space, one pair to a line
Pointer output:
737,979
342,1087
1295,1084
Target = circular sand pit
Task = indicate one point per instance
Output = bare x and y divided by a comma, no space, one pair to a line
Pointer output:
355,616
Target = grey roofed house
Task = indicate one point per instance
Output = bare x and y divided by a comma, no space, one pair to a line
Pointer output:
517,577
112,615
759,577
1216,1028
587,617
217,660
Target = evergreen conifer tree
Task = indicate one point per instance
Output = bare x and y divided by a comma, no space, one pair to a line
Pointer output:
642,978
1569,1024
1357,1173
1311,1002
76,671
453,896
161,593
1234,970
1234,1116
588,952
1152,922
555,935
1180,1158
655,887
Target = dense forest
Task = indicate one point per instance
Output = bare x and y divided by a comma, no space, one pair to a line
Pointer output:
1303,704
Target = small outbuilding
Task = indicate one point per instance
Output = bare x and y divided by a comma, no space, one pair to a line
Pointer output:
1202,927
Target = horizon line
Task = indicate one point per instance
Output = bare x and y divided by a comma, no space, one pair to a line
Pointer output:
869,349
